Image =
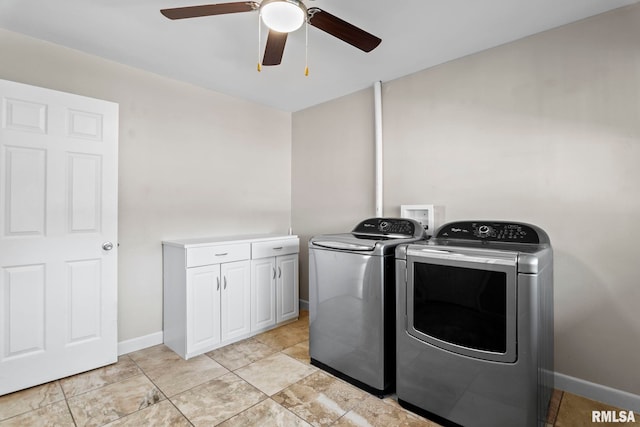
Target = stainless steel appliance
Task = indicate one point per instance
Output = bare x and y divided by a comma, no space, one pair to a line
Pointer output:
352,301
475,324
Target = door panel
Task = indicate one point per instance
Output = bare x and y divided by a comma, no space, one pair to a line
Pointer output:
58,205
236,302
85,300
85,201
287,287
263,293
24,314
24,200
25,115
203,295
85,125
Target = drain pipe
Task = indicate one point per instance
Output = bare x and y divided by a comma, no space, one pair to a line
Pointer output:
377,98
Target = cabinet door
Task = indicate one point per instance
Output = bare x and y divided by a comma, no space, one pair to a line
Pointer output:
287,287
235,301
263,293
203,307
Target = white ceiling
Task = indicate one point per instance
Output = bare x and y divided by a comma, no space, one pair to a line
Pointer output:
221,52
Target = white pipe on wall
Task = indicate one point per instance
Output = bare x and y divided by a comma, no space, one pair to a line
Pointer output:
377,94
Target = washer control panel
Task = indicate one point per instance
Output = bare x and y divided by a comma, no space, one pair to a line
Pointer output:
389,227
493,231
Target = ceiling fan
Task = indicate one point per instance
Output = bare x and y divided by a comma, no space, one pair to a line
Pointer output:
283,17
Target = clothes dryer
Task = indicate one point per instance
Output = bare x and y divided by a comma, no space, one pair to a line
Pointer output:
475,324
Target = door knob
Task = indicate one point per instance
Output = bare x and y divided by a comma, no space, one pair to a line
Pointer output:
107,246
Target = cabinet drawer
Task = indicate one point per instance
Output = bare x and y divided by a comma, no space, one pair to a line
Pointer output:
217,254
275,248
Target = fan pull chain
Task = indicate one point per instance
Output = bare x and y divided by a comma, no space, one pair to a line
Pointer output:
306,48
259,42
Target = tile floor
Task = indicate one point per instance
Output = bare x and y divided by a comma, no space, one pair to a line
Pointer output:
262,381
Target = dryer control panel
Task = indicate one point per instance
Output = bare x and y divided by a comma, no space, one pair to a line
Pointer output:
389,227
493,231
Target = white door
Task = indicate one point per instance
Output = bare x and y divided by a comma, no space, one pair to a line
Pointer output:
58,234
203,300
263,293
287,287
235,299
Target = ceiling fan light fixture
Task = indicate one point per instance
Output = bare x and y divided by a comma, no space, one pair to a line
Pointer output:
283,16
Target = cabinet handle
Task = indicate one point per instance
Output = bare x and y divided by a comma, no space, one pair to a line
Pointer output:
218,279
223,254
274,272
225,282
279,272
278,248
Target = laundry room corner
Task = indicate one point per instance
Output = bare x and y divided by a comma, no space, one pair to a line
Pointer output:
542,130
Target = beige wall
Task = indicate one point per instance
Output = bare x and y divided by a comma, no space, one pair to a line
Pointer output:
544,130
332,179
192,162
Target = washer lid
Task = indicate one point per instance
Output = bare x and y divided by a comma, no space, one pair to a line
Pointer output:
335,243
365,245
373,236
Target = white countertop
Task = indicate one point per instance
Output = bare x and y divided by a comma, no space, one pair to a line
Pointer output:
208,241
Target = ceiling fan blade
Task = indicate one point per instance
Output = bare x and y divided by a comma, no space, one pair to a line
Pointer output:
343,30
209,9
275,48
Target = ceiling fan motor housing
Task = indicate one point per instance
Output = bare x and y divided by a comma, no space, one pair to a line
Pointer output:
283,16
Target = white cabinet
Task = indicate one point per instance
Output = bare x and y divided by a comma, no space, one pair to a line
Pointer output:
203,298
218,296
218,291
274,282
235,300
263,293
287,301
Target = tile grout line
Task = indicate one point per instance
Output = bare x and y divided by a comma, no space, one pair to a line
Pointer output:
555,418
246,409
168,398
31,409
268,397
66,402
289,411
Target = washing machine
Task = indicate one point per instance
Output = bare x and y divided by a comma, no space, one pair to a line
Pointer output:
475,324
352,301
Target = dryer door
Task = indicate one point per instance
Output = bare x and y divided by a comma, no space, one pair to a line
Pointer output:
463,300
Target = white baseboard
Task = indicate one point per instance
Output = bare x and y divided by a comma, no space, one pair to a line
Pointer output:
156,338
601,393
139,343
